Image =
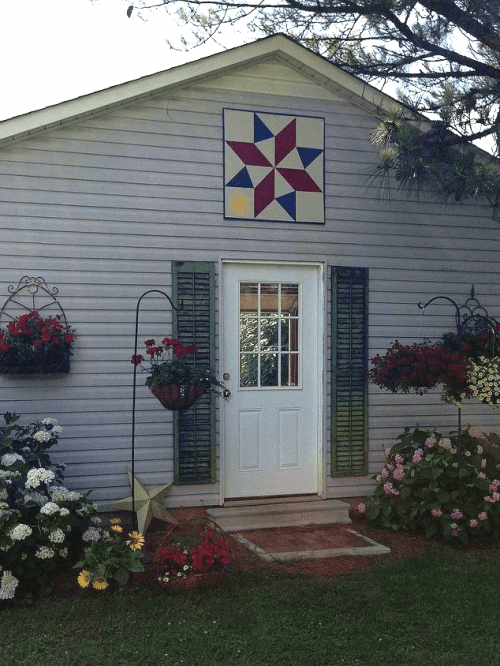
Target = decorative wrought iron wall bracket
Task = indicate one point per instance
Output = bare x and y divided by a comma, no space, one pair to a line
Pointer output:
471,315
33,294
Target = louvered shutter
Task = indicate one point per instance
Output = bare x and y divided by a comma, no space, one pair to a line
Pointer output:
349,370
193,285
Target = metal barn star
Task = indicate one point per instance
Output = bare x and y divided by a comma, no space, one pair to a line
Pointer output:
148,504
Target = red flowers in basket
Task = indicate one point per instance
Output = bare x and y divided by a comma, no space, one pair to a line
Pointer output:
36,344
187,557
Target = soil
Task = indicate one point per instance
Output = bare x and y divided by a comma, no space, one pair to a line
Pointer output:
402,545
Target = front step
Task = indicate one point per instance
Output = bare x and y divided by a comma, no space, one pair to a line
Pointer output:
285,514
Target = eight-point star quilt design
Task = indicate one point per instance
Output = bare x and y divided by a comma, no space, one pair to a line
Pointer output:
273,167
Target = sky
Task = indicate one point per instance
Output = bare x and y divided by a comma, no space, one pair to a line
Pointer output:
55,50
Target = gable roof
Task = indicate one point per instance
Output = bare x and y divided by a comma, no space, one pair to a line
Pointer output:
308,63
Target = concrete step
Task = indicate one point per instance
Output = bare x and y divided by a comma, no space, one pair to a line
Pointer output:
284,514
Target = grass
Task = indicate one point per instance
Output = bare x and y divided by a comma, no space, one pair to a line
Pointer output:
439,608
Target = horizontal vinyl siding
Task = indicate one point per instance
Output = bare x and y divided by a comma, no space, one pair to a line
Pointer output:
102,207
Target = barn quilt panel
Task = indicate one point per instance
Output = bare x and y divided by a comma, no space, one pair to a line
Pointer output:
274,167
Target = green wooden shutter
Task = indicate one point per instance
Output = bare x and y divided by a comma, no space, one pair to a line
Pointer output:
193,285
349,371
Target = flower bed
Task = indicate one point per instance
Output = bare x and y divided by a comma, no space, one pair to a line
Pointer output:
42,523
448,488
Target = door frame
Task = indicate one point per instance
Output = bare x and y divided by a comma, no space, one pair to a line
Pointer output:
321,359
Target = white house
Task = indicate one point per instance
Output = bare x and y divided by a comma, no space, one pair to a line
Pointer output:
240,185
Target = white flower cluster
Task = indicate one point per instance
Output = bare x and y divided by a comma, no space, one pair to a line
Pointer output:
45,553
92,534
42,436
38,475
48,420
60,493
56,536
20,532
484,378
8,584
49,508
9,459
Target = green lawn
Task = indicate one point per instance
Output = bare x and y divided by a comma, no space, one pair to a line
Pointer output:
440,608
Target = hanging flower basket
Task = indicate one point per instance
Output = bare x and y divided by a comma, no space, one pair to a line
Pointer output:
175,397
175,381
33,345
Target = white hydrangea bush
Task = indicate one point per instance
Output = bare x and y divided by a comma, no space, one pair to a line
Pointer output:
41,522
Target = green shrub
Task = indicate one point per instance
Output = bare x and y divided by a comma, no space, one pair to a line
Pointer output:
42,523
446,487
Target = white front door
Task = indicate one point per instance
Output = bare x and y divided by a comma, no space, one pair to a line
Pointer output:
272,348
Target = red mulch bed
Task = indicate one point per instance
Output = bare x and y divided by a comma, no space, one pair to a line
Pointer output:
402,545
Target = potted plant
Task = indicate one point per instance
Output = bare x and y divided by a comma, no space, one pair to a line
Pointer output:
176,383
193,554
32,344
110,558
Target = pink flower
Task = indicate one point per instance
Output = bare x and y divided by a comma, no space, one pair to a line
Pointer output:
483,463
388,488
387,452
399,473
457,514
445,443
494,485
385,473
481,475
473,522
495,497
417,456
361,507
430,442
436,513
455,533
483,515
398,459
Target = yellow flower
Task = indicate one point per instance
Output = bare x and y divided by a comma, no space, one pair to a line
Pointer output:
84,579
115,521
117,528
100,584
136,541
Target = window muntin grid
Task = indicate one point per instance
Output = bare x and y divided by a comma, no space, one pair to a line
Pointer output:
269,324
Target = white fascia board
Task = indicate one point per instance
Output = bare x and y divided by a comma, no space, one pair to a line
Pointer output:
310,64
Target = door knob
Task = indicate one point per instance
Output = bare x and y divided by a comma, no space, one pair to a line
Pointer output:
226,393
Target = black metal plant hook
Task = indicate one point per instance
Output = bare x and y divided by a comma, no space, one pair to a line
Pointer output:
137,309
458,317
470,315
